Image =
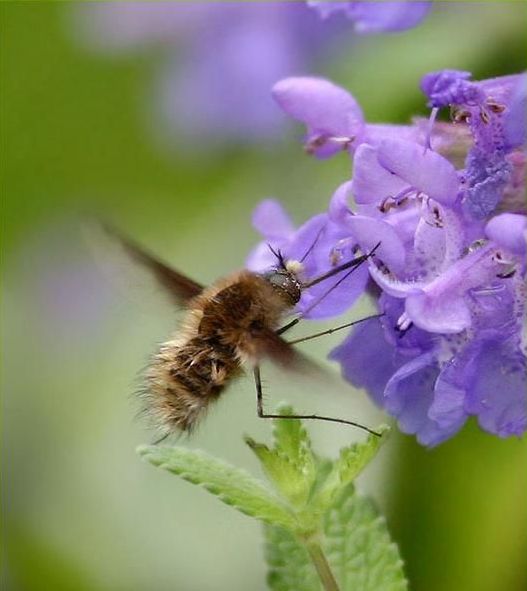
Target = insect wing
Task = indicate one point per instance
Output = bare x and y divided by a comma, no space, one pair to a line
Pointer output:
114,252
269,345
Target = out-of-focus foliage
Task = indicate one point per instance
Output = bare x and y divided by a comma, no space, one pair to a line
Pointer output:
80,512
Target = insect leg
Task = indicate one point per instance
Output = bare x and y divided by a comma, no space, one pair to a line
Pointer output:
332,330
263,415
289,325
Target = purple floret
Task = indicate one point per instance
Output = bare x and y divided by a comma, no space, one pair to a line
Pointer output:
451,261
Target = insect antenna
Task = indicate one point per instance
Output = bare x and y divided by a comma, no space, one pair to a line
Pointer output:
278,254
310,249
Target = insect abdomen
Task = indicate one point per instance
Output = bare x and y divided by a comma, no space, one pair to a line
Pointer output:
185,380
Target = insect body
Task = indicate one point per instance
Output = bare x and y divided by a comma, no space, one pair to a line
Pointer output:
232,323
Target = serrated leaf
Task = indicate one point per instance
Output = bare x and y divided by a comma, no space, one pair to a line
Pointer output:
287,477
231,485
353,459
292,441
358,546
290,567
346,468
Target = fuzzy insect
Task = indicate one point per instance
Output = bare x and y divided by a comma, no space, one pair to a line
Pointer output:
237,321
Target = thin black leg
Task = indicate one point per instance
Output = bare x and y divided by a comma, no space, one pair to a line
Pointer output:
289,325
263,415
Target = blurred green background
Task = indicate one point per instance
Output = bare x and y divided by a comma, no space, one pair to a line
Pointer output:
81,512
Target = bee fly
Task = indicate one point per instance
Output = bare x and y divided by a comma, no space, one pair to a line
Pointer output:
234,322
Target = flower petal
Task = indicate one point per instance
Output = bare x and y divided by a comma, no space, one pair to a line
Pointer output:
498,392
409,396
272,221
371,182
508,230
447,314
515,119
423,169
366,359
334,296
325,108
440,306
339,210
375,17
370,231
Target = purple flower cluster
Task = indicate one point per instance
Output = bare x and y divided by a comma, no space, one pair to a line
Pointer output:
223,56
449,273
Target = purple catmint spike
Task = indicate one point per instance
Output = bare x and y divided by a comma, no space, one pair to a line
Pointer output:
452,277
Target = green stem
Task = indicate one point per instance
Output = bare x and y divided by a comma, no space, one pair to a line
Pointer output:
322,566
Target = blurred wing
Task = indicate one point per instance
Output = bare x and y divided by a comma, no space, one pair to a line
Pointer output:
269,345
114,251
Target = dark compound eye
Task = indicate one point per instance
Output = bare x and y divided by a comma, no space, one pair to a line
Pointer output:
286,283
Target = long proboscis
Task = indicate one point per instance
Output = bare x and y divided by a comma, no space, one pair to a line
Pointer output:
353,263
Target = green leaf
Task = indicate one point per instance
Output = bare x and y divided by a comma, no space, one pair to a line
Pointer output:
359,548
356,543
353,459
350,463
231,485
285,475
290,464
292,441
290,567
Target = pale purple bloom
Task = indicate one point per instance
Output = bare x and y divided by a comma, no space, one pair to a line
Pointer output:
221,58
333,118
375,17
451,266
